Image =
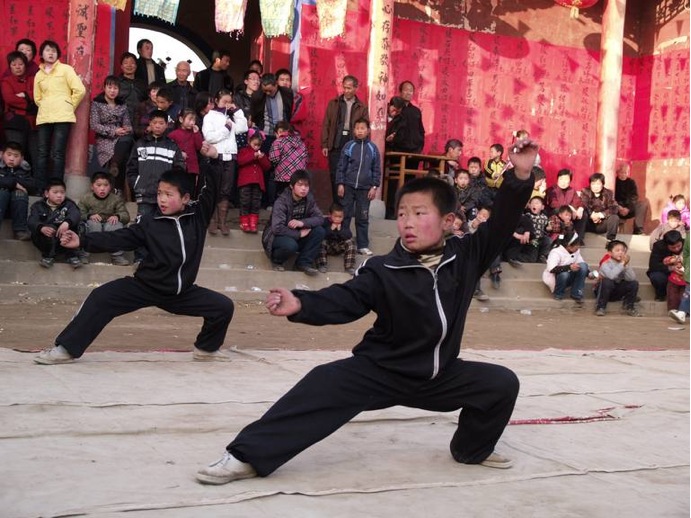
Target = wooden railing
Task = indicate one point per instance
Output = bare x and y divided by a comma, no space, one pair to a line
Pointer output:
397,170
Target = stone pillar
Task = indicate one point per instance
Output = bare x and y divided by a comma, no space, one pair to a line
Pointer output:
378,68
81,32
611,52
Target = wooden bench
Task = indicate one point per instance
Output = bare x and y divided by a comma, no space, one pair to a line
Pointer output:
396,168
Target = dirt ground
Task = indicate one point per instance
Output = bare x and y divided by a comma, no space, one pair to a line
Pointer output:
33,326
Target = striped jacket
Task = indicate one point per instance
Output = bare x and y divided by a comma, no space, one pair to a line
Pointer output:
150,158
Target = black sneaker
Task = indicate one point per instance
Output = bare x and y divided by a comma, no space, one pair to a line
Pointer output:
307,269
515,263
47,262
22,235
74,262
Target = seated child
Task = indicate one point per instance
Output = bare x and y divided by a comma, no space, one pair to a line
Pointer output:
287,154
174,238
252,164
673,223
477,180
562,193
540,241
601,207
561,222
494,168
467,195
664,259
460,225
420,292
677,202
681,313
357,178
519,249
566,268
16,183
617,280
338,239
50,219
104,211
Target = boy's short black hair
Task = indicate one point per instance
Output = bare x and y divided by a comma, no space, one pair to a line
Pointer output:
565,172
248,73
16,146
433,173
595,177
26,41
672,238
336,207
52,45
155,85
452,143
283,72
474,160
126,55
268,79
299,175
538,173
564,208
362,120
59,182
459,171
615,242
16,55
255,62
443,195
166,92
158,114
498,148
179,179
101,175
675,214
537,198
397,102
283,126
141,43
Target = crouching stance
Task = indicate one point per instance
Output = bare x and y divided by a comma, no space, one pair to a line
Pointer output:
173,237
420,292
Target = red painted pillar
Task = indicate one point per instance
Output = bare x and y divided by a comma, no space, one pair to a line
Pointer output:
378,68
612,53
81,32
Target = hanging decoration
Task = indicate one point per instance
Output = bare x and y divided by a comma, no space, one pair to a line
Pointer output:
332,17
230,16
575,5
166,10
277,17
118,4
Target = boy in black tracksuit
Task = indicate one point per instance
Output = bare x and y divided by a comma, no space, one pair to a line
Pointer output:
420,292
174,239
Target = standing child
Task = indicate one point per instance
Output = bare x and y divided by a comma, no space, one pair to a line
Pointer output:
421,292
338,239
50,219
287,154
617,280
104,211
566,268
357,178
16,183
111,123
190,141
252,166
219,128
165,101
495,166
174,238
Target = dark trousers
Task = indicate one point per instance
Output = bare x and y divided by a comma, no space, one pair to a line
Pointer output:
250,199
579,226
126,295
121,153
659,282
356,205
269,195
52,145
608,290
332,394
226,190
18,203
638,211
307,247
334,157
608,226
50,246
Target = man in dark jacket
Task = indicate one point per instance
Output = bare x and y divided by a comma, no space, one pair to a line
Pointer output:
337,128
174,238
271,104
215,77
626,195
184,93
664,258
420,292
148,70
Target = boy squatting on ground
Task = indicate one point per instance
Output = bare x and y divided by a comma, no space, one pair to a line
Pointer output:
420,291
174,239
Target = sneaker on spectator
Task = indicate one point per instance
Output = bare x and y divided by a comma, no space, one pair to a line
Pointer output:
677,316
53,356
119,260
481,296
307,269
199,355
74,262
278,267
364,251
47,262
225,470
322,269
497,461
578,303
600,312
633,312
22,235
83,256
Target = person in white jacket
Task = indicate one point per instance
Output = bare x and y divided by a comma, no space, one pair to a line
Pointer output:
566,268
219,129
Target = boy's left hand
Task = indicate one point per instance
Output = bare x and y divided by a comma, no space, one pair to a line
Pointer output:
113,219
282,303
372,193
69,239
64,227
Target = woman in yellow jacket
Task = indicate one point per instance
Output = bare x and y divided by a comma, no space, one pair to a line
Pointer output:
57,93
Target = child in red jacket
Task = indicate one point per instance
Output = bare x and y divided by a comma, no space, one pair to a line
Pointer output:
252,164
189,139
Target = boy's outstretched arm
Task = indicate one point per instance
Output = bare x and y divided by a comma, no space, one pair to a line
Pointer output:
522,155
282,303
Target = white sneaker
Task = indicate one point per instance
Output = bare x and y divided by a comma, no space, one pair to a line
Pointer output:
225,470
677,316
200,355
497,461
364,251
53,356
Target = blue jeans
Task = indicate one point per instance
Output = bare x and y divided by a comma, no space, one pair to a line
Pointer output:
18,203
52,143
307,247
574,279
356,204
684,304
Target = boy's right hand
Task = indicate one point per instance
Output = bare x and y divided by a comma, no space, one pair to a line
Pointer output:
95,217
47,231
282,303
69,239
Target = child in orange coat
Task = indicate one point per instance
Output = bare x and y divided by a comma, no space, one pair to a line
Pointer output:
252,164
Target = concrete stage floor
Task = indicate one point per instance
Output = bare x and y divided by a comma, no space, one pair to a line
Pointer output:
594,434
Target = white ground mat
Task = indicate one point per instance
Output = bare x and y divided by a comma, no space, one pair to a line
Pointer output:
594,434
